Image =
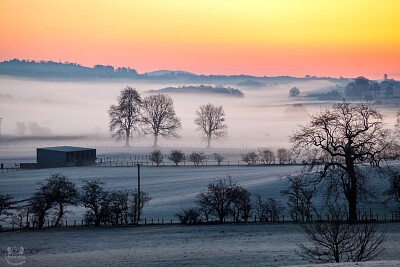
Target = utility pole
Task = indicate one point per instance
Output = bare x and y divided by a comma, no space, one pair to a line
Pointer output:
138,194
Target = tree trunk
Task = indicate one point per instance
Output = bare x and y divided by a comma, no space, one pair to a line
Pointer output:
209,141
127,133
60,214
155,144
351,191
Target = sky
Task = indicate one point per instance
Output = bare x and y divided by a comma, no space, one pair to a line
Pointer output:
256,37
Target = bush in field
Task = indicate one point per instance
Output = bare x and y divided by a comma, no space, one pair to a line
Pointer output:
157,157
189,216
94,199
176,156
5,204
219,158
197,158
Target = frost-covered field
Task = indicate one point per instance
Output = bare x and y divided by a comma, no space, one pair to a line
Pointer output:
205,245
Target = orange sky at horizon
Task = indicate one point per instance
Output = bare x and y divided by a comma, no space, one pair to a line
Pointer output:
255,37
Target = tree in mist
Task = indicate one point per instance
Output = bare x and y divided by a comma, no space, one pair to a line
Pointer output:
283,155
294,92
337,240
210,120
219,158
159,117
21,128
266,156
93,197
125,116
197,158
250,158
349,135
176,156
157,157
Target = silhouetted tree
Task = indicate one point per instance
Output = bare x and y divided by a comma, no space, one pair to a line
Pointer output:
159,117
299,199
62,192
21,128
134,209
189,216
210,120
157,157
93,197
336,240
350,135
266,156
267,210
176,156
125,116
197,158
394,187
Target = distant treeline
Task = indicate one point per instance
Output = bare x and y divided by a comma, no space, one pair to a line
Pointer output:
201,89
47,70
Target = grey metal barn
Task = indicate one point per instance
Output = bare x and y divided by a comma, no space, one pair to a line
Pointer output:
65,156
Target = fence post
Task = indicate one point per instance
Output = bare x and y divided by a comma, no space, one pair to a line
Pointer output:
66,224
74,223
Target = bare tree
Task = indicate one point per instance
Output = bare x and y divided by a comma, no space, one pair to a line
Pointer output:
299,199
93,197
125,116
250,158
21,128
337,240
219,158
157,157
176,156
394,188
267,210
350,135
266,156
159,117
134,209
197,158
224,198
283,155
210,120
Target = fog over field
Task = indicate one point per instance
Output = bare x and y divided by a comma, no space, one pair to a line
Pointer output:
263,117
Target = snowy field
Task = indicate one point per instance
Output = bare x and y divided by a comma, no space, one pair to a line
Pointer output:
205,245
171,188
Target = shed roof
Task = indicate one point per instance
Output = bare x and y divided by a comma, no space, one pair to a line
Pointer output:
66,148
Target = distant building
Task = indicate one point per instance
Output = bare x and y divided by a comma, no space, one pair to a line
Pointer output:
65,156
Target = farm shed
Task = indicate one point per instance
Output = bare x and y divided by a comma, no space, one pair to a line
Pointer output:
65,156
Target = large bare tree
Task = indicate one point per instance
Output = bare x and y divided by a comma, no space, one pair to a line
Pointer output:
348,136
210,120
159,117
125,116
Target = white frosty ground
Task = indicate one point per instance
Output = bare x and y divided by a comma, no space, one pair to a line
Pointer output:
204,245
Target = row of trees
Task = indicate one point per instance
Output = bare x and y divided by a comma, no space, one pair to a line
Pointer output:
155,115
51,201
